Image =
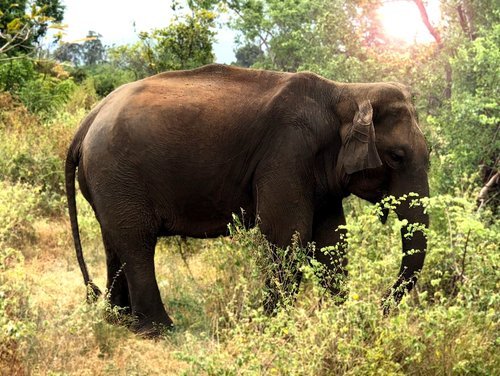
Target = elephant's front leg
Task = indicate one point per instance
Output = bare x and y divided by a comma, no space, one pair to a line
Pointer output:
331,248
283,278
285,214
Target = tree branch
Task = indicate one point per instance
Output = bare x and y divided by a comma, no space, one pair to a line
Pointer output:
437,37
463,21
466,18
15,40
482,198
425,18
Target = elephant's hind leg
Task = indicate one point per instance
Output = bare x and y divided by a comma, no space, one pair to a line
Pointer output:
136,252
117,286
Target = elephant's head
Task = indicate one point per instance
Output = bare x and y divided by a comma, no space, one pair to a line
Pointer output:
384,153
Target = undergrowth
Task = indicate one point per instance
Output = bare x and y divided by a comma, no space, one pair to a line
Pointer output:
214,291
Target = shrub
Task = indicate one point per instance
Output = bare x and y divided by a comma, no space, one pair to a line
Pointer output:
46,95
465,132
32,151
43,87
18,209
445,326
107,78
17,326
16,73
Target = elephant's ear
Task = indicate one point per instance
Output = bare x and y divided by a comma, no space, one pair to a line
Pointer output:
358,150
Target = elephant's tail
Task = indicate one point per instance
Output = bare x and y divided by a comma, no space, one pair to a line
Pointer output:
72,161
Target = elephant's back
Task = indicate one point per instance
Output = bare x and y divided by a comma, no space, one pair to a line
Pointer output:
199,118
179,141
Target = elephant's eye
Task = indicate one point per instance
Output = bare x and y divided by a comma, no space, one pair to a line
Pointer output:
396,158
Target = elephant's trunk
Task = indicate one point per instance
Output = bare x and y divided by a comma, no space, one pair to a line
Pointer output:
413,237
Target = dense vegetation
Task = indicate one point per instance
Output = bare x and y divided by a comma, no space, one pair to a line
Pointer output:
213,288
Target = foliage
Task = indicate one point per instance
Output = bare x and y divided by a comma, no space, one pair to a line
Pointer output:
91,52
18,209
69,52
16,326
431,333
448,325
183,45
107,78
46,94
186,43
130,58
31,151
247,55
283,32
465,132
24,22
15,74
42,86
93,49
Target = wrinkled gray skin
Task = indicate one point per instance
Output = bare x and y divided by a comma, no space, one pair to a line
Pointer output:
178,153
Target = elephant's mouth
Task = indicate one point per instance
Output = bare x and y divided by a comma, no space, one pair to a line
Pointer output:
373,196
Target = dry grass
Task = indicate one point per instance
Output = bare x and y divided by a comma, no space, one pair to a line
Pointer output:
71,338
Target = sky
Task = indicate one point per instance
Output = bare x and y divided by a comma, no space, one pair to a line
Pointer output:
401,20
115,19
119,22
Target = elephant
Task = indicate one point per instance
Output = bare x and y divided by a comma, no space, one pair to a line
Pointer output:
179,152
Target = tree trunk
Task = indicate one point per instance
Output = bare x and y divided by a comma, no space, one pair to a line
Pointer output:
437,37
466,19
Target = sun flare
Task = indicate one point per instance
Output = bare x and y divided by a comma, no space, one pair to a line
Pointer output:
401,21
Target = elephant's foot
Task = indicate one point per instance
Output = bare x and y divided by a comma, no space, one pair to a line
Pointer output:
336,284
152,328
275,300
392,298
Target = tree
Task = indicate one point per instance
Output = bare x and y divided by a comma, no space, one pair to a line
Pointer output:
186,43
90,52
284,31
248,55
332,37
23,23
69,52
93,51
467,127
130,58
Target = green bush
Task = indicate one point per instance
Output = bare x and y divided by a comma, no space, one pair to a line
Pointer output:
32,162
17,315
43,87
32,151
18,210
16,73
107,78
447,325
46,95
464,133
464,246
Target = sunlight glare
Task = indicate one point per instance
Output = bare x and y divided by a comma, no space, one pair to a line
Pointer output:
401,21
